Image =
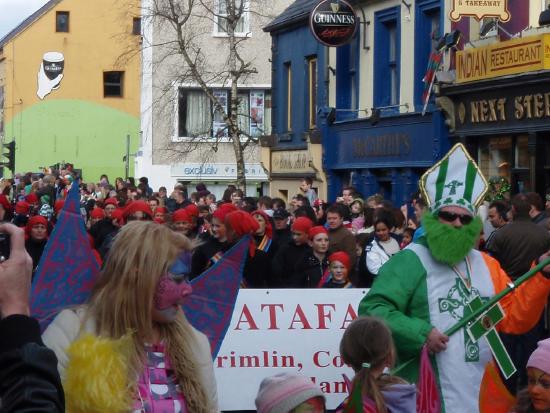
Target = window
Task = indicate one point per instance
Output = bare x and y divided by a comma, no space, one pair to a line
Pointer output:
387,57
494,157
228,9
62,21
136,26
288,84
113,84
347,91
199,118
427,33
312,91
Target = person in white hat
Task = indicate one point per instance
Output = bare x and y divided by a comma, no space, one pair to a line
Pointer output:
427,288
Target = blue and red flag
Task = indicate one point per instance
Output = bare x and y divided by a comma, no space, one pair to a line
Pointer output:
68,268
433,66
210,308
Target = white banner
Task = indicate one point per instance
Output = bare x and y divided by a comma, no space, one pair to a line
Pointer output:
274,331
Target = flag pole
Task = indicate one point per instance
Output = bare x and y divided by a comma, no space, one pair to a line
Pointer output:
428,96
511,287
475,314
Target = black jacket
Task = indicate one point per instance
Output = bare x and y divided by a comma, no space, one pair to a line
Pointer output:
312,271
202,255
286,265
29,381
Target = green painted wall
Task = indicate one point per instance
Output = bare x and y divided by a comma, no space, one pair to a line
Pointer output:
91,136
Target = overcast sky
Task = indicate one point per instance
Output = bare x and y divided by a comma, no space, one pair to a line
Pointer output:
13,12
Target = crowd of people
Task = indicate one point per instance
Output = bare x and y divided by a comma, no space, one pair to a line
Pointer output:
142,340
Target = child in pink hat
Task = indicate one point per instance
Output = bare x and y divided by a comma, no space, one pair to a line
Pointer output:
536,398
285,393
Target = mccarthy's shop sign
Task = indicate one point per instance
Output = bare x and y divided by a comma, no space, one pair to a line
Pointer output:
480,9
333,22
515,56
291,162
528,105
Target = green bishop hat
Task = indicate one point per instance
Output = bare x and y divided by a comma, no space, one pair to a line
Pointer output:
454,181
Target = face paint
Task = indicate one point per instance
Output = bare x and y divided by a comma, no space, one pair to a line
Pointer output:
174,286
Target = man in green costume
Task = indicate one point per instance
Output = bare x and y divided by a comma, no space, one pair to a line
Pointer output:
426,288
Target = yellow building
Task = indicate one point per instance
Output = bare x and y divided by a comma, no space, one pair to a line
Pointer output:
70,86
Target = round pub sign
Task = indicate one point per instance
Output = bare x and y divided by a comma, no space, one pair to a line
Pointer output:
333,22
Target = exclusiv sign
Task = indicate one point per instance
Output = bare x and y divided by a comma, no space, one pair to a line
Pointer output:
333,22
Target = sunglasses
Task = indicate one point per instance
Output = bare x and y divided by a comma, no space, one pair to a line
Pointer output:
451,217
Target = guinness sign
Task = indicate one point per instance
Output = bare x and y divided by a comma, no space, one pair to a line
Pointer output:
333,22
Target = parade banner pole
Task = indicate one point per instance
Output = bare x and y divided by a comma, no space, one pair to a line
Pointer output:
511,287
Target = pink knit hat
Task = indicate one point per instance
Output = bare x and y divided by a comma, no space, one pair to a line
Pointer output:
283,392
540,358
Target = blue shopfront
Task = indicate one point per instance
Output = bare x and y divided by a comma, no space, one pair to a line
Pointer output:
386,158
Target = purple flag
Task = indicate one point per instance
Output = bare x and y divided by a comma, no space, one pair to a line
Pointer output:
210,308
68,268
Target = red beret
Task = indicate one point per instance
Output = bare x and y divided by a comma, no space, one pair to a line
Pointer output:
97,213
58,206
5,203
110,201
302,224
241,222
22,207
319,229
136,206
35,220
181,215
268,228
223,210
192,210
340,256
118,214
31,198
161,210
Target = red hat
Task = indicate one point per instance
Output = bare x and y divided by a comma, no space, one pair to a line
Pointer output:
118,214
5,203
58,206
22,208
136,206
161,210
223,210
241,222
35,220
31,198
302,224
192,210
97,213
319,229
110,201
181,215
340,256
268,227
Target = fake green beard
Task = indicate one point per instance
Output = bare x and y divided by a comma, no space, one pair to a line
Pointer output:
448,244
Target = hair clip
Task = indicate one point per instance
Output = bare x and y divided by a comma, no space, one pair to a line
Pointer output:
366,365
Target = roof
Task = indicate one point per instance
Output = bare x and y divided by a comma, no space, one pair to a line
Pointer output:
295,13
28,21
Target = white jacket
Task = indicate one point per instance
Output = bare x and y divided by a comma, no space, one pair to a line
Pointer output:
376,256
67,327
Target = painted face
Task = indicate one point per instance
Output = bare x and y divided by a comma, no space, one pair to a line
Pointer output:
319,243
172,289
538,387
109,210
159,215
39,232
339,271
261,222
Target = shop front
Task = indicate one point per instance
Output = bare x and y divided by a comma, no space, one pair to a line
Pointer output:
217,176
386,158
504,121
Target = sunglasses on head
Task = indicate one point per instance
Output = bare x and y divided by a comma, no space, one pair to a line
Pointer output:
451,217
